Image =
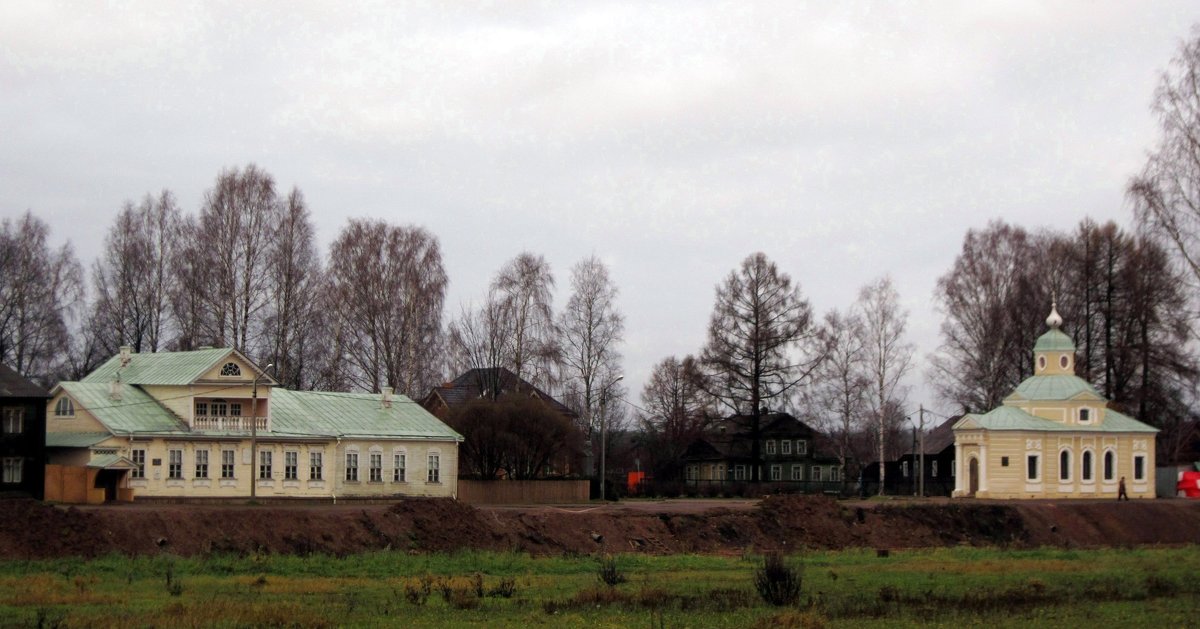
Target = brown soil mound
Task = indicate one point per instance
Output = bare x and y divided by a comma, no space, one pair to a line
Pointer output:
32,530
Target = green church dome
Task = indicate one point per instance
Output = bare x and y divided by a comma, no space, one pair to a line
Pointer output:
1054,341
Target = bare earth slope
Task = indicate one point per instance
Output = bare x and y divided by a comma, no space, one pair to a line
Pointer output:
31,530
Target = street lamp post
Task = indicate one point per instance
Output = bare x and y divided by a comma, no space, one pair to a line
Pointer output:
603,433
254,433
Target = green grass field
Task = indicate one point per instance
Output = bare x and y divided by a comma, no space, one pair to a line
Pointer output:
944,587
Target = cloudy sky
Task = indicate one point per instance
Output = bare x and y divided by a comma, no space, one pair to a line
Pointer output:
845,140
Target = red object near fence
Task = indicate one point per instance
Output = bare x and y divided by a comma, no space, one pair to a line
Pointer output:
634,481
1189,484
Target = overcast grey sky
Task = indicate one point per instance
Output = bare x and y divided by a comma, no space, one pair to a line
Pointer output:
845,140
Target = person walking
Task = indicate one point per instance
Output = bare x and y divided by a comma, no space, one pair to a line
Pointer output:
1121,495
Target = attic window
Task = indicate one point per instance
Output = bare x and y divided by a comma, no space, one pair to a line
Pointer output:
1085,415
230,369
64,408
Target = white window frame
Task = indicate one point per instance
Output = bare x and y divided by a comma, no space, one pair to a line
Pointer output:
291,465
834,473
400,466
1085,415
1064,471
818,474
739,472
138,456
1108,465
785,446
175,464
770,446
14,467
933,469
316,465
434,470
228,464
776,472
352,466
265,465
1037,465
904,469
64,407
14,420
801,447
201,457
375,467
1087,466
797,471
1139,458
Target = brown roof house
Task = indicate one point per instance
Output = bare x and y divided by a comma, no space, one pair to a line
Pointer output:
558,456
22,435
790,457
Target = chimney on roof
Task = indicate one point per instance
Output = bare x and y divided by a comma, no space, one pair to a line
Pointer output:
115,388
387,396
126,355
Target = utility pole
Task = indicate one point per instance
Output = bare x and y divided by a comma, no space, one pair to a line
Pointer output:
921,449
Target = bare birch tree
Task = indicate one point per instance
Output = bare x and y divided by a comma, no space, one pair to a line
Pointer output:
590,330
237,227
888,356
761,344
524,288
388,286
132,306
1166,194
841,383
291,340
40,288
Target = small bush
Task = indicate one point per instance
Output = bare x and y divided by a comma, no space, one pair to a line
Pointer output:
173,584
506,588
416,592
1158,586
778,583
889,594
609,572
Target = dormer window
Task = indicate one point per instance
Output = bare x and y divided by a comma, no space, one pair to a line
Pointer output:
231,370
1085,415
64,408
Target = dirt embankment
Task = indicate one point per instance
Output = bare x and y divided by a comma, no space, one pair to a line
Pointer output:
32,530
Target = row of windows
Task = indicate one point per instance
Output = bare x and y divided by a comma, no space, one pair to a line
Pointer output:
795,472
291,465
1086,469
933,468
785,446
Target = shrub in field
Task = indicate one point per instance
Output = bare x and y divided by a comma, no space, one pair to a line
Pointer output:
1157,586
173,584
506,588
609,572
416,591
777,583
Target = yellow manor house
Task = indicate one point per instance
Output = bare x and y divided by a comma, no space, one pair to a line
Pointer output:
211,423
1054,437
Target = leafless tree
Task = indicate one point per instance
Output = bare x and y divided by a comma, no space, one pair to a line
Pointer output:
524,288
841,383
39,289
479,339
995,302
388,286
516,435
677,411
191,276
888,357
292,324
761,344
590,329
237,229
132,277
1166,194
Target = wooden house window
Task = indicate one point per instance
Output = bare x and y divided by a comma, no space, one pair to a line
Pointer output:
64,408
14,421
785,446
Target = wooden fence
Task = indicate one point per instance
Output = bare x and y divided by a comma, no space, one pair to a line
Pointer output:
508,492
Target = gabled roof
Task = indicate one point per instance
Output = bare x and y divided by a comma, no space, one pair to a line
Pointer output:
164,368
319,413
1012,418
475,383
1060,387
941,437
111,462
134,412
730,438
13,384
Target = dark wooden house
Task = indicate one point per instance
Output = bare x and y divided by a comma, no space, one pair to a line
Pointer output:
22,435
790,458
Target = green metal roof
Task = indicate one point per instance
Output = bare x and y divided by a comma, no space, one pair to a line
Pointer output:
134,412
1054,341
1053,388
111,462
74,439
1012,418
163,368
353,415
